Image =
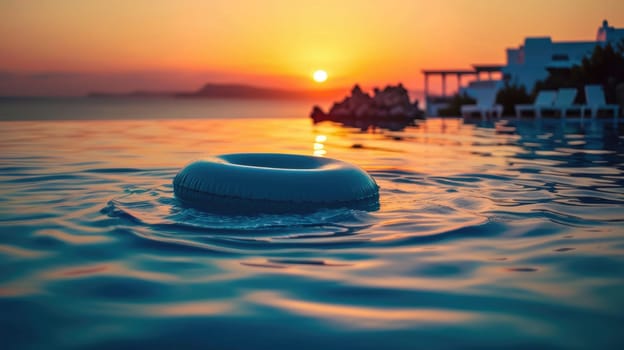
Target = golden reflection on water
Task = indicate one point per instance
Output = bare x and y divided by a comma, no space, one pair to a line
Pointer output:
19,252
318,146
360,316
434,146
197,308
109,269
63,236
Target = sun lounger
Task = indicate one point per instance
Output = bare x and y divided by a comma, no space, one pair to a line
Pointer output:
596,101
565,102
486,103
545,98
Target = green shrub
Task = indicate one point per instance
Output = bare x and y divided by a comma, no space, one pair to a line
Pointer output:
511,95
454,107
604,67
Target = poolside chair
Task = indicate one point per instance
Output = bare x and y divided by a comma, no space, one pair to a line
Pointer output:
486,103
596,101
545,98
565,102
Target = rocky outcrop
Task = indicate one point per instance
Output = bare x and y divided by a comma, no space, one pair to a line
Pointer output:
391,103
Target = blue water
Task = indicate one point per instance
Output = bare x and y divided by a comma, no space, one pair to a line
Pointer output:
506,234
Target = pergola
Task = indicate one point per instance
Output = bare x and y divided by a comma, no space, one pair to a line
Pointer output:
443,73
459,73
487,68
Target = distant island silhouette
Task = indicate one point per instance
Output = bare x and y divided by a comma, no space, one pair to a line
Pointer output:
243,91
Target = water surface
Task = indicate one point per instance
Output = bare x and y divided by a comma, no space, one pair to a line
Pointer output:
489,235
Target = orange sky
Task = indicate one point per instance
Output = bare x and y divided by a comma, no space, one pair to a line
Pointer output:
180,44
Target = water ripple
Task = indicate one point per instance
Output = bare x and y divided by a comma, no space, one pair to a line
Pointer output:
489,235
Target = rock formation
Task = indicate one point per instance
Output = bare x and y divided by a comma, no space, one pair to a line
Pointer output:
391,103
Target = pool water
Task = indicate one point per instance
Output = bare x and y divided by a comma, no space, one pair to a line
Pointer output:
506,234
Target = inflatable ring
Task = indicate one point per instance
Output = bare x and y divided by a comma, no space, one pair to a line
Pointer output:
271,183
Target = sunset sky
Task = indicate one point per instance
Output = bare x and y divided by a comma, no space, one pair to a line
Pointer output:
66,47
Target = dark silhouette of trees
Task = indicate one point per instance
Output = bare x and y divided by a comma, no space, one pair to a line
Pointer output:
511,95
454,105
508,96
604,67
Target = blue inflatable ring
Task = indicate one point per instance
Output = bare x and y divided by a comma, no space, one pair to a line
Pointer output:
268,182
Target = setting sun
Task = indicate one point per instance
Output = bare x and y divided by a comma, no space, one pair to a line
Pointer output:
319,76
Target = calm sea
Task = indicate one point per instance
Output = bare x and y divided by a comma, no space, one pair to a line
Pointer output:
506,234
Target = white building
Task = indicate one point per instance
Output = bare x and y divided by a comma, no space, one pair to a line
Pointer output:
529,63
525,65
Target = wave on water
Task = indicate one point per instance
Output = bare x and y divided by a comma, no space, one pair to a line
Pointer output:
161,215
155,214
503,234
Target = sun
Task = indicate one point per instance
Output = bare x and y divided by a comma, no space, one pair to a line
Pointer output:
319,76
